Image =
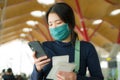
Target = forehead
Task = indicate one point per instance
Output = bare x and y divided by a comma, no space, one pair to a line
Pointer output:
53,17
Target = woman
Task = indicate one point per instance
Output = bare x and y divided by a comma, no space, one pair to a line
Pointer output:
61,22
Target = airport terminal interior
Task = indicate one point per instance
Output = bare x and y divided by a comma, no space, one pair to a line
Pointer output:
22,21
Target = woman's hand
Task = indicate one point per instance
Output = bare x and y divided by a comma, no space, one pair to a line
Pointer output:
62,75
40,62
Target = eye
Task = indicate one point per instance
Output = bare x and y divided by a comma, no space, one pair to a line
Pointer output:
59,22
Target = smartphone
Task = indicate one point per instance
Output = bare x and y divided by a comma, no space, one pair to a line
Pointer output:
37,47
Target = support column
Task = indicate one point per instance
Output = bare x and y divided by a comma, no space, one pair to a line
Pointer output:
118,66
3,8
95,30
118,37
82,21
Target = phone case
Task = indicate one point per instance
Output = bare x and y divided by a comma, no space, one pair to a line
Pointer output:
37,47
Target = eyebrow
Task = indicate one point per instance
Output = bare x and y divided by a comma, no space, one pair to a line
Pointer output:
55,20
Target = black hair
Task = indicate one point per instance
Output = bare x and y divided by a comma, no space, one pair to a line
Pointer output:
9,70
3,70
66,14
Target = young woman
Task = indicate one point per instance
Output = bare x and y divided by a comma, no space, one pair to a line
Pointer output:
61,22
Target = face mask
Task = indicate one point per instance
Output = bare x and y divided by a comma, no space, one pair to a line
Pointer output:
60,32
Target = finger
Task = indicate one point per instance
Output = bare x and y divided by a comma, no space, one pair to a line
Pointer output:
68,75
34,55
40,58
42,65
61,72
43,62
60,77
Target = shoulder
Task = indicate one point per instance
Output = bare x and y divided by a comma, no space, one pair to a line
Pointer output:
86,44
87,47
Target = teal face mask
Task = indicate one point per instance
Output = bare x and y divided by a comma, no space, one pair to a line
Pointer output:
60,32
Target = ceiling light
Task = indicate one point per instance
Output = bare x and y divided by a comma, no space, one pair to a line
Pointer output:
115,12
37,13
47,2
97,21
105,55
104,64
22,35
27,29
81,29
32,23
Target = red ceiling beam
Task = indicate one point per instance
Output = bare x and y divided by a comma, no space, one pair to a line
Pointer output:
85,35
79,31
95,30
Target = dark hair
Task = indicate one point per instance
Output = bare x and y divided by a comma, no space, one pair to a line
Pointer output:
3,70
9,70
65,12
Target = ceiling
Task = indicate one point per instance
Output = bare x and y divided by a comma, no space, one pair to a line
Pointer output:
15,13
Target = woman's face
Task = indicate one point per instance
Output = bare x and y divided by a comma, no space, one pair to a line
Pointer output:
54,20
59,30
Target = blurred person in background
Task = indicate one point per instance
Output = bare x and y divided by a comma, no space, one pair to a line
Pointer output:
2,73
9,75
